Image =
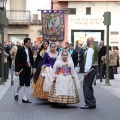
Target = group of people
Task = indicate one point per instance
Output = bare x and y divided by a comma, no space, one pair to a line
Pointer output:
113,60
55,78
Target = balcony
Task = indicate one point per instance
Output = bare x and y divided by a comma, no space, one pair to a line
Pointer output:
21,17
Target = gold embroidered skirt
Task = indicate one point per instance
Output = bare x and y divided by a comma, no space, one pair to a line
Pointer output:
38,91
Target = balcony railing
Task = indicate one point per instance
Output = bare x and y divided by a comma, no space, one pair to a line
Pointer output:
18,16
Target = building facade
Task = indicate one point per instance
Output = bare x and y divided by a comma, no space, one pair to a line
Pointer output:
85,18
82,19
24,20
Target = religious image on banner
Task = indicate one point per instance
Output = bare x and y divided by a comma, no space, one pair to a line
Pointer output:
53,25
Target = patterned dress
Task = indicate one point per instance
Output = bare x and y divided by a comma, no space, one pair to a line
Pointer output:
64,89
46,74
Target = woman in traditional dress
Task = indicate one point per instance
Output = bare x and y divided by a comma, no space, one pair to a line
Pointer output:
65,82
45,80
38,61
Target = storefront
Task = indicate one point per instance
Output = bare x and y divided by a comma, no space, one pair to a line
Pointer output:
81,26
17,33
82,35
14,38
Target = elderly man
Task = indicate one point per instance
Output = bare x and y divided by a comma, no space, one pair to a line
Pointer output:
101,52
90,61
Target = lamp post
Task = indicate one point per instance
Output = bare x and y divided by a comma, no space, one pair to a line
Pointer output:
2,25
107,22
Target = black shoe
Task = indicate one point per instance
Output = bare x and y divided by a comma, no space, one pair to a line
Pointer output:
16,97
63,105
24,101
87,107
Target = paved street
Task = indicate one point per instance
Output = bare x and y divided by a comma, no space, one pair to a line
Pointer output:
108,106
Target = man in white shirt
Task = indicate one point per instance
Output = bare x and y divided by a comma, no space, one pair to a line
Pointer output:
90,62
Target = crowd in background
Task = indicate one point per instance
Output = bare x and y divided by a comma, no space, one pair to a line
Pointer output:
44,56
77,52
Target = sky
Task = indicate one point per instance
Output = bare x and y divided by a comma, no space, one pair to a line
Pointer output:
34,5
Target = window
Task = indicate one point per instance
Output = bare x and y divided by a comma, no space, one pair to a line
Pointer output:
69,11
39,32
88,10
72,11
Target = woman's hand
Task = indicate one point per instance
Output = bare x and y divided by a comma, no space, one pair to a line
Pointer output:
34,70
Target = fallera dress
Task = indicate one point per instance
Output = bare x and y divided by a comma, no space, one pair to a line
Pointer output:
43,85
64,89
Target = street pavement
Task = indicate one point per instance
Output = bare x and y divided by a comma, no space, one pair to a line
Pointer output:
107,97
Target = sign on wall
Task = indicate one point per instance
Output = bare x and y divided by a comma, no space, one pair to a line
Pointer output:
114,37
53,25
85,20
81,36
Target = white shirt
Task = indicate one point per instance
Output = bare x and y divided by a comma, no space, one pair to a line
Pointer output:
28,58
89,58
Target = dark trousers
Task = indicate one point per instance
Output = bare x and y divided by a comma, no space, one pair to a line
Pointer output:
7,77
102,69
88,89
111,75
81,64
25,76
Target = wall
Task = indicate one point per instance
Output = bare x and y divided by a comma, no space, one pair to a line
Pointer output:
97,11
17,4
33,6
33,32
8,5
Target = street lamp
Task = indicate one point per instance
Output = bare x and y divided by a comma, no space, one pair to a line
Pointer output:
2,25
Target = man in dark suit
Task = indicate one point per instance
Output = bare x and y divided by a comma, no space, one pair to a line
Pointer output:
23,63
101,52
81,58
74,54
